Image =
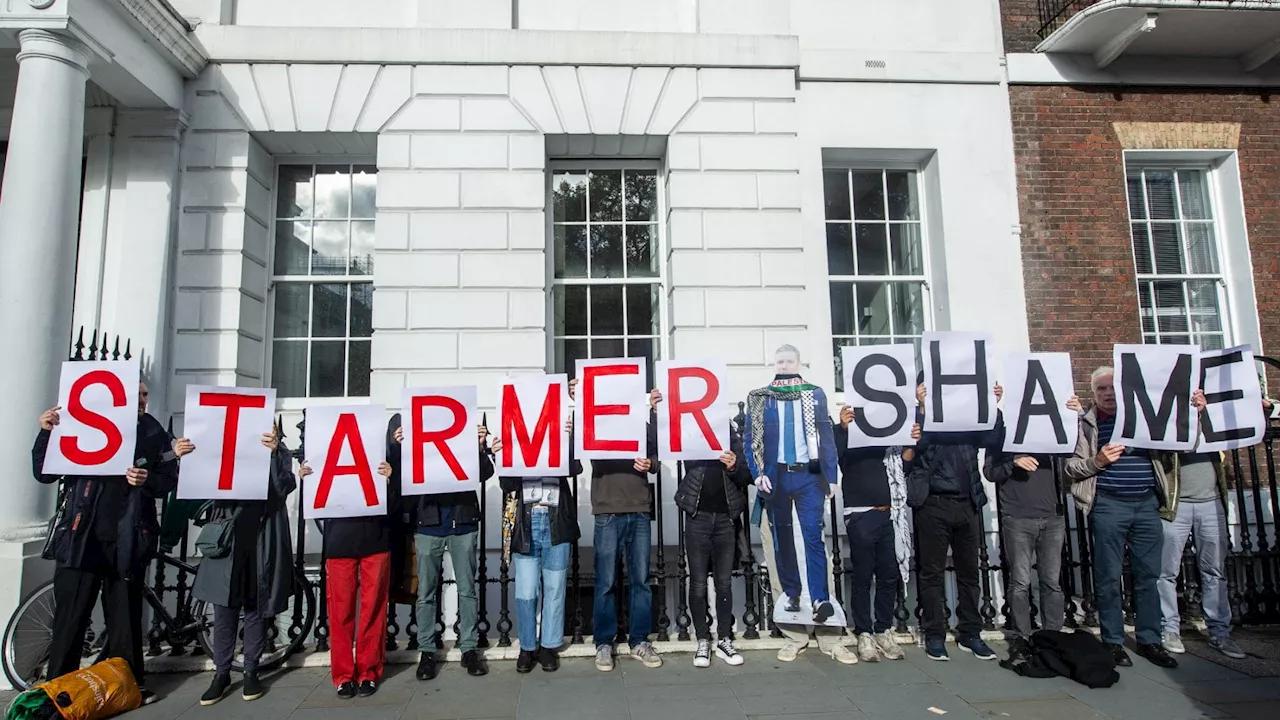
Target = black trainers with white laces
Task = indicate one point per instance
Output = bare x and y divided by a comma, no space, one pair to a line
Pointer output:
726,652
702,657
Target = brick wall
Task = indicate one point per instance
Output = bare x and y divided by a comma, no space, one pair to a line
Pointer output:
1020,20
1077,259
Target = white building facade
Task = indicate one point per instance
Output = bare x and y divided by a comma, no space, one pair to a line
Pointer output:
342,199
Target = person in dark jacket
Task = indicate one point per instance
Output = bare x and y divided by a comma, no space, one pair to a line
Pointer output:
255,578
449,522
108,534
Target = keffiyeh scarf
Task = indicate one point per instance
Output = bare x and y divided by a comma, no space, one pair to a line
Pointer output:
898,511
783,388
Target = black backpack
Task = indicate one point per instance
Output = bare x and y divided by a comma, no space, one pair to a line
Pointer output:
1076,655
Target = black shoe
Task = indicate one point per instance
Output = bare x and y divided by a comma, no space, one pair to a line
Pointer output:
822,611
549,658
427,667
367,688
347,690
252,686
793,604
526,661
217,690
148,697
475,663
1157,655
1120,656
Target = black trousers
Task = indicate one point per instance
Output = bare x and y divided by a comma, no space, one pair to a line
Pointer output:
710,543
871,546
942,523
226,621
75,592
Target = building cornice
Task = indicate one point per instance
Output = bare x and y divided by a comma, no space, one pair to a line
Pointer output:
170,30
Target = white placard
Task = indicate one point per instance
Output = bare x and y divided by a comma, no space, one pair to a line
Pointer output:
440,452
610,417
1153,396
344,446
97,431
1036,417
226,424
880,386
959,372
1234,417
694,415
534,442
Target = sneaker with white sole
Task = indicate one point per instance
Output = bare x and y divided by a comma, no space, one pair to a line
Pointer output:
888,646
841,654
791,651
702,658
867,651
646,653
1227,646
727,652
604,658
1173,643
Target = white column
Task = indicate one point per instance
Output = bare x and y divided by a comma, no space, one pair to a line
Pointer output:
99,152
38,212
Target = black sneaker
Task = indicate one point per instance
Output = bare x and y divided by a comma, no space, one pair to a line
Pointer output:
347,690
822,611
550,659
1157,655
148,697
793,604
1119,655
217,690
252,686
526,661
475,663
367,688
427,667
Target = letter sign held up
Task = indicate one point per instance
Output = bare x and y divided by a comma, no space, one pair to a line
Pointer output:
226,425
610,415
1037,420
694,416
880,386
534,442
1153,396
1234,417
98,428
345,445
959,372
440,451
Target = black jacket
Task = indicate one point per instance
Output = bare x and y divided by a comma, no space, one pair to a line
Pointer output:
689,491
937,451
425,509
138,531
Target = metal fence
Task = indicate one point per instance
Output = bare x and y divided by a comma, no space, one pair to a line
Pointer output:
1055,13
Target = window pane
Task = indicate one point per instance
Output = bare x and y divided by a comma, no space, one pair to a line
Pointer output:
293,309
902,195
333,191
1203,300
358,368
1202,251
293,248
1210,341
571,309
839,249
328,368
289,367
1168,247
571,250
842,308
606,251
1160,195
873,308
361,309
606,195
567,354
1146,308
1137,203
608,348
329,247
1141,248
836,344
873,249
362,240
569,197
906,251
908,309
1193,187
606,310
868,196
364,191
642,304
644,348
642,195
835,185
329,311
1171,312
642,241
294,197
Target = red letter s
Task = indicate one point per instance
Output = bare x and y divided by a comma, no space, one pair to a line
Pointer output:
70,445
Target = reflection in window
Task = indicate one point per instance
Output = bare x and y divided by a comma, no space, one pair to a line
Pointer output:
322,280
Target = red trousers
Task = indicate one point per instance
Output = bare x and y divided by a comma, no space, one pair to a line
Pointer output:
370,577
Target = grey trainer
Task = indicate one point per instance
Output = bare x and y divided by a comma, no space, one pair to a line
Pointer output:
604,658
1173,643
889,646
867,650
645,653
1227,646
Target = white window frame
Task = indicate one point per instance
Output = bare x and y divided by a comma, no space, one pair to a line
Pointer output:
662,253
290,403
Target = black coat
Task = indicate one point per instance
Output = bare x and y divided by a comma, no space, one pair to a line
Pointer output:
425,509
689,491
936,450
138,531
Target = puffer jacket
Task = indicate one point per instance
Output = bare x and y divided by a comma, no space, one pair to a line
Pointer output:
736,481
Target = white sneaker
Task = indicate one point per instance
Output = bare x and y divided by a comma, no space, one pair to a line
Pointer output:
841,654
604,658
791,651
867,651
726,652
702,658
888,646
1173,643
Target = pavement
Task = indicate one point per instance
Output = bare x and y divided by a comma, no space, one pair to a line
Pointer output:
812,688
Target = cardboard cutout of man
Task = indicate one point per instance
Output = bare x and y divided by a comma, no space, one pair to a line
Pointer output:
791,453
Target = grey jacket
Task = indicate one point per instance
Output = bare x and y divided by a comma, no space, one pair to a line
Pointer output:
275,546
1082,468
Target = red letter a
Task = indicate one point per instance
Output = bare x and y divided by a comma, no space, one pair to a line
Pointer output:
347,433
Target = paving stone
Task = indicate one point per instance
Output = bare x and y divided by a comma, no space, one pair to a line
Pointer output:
1225,691
1068,709
383,712
1265,710
277,703
464,700
1138,697
909,701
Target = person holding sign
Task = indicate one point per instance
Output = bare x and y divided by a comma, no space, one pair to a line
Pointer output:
448,522
253,575
1122,490
107,535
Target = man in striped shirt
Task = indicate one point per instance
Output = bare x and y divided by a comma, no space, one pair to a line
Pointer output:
1123,490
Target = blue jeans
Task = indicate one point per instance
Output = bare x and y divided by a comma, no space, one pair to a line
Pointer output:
1208,522
546,566
626,535
1114,523
808,493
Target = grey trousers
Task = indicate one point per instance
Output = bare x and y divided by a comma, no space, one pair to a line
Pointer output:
226,623
1037,541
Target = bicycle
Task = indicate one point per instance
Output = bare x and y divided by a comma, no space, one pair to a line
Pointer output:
30,629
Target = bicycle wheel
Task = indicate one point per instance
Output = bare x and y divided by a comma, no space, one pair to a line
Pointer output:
29,634
278,645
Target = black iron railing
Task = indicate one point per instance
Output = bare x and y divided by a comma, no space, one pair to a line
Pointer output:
1054,13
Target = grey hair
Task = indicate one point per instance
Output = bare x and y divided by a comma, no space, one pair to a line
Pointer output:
787,348
1104,370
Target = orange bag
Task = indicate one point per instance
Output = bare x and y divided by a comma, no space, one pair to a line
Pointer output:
96,692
